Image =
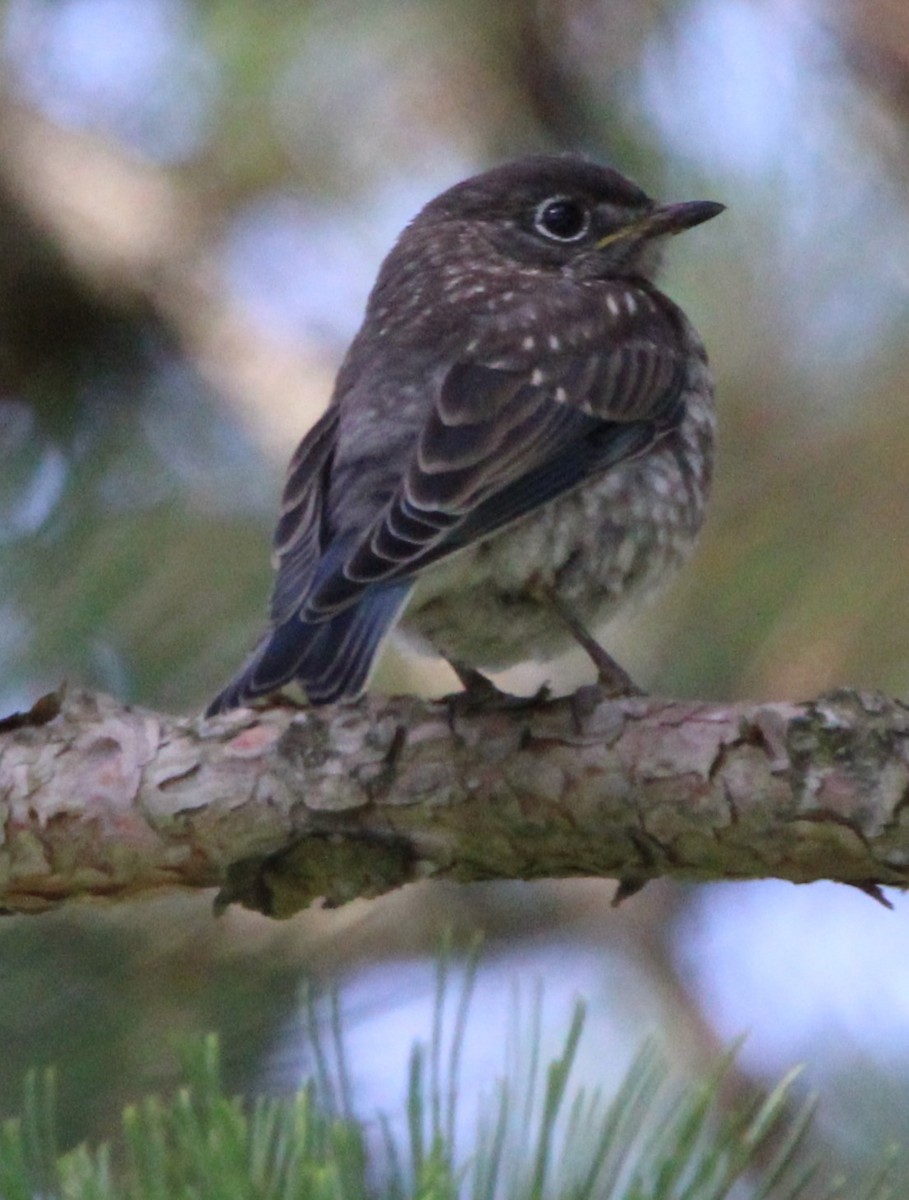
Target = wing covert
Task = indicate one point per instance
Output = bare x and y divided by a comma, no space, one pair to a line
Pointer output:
503,439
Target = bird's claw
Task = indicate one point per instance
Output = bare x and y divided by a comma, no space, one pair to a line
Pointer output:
481,695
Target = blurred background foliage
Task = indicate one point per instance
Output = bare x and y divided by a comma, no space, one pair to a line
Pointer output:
194,198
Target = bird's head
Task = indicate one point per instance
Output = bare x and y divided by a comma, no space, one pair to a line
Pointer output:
566,214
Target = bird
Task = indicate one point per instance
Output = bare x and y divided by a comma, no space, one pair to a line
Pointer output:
519,443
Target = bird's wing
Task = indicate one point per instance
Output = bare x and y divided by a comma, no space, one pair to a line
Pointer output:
511,433
300,537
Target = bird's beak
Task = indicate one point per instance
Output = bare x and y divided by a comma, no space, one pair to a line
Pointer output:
673,218
666,219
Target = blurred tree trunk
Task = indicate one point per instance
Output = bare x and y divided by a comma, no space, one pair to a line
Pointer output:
94,241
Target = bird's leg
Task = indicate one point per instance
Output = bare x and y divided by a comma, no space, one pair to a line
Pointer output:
612,678
481,693
475,683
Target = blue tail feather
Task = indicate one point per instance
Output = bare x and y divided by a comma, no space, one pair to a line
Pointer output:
331,660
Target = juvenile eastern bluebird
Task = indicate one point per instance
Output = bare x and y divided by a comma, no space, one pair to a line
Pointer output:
519,442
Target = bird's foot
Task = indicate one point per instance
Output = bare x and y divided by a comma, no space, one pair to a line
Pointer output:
481,694
612,678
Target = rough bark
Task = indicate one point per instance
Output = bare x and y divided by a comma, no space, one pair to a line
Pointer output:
281,807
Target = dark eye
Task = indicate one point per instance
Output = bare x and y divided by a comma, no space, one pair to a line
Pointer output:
562,219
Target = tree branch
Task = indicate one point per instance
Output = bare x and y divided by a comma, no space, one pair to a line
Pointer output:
280,807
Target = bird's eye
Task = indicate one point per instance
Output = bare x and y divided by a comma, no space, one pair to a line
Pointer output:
561,219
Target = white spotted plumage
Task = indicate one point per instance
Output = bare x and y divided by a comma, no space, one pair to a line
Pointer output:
523,427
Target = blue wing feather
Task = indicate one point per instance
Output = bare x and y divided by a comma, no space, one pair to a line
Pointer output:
497,442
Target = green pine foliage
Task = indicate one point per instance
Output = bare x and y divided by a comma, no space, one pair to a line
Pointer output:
538,1138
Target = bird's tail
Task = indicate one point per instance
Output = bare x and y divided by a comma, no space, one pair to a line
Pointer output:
331,660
